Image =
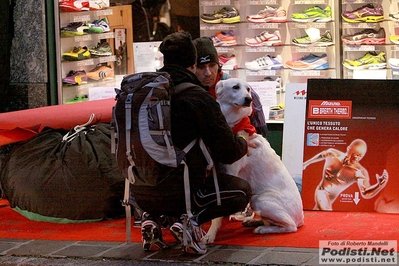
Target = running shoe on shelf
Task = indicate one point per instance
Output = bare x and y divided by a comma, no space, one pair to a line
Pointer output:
394,39
224,15
367,13
74,29
228,62
394,16
224,38
309,62
101,72
265,39
99,26
98,4
78,99
101,49
265,63
313,38
394,63
269,14
75,77
313,14
367,36
371,60
74,6
77,53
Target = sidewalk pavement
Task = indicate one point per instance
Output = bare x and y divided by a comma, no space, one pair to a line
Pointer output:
43,252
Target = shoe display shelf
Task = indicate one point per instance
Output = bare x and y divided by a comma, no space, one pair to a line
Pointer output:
372,30
320,56
269,62
84,62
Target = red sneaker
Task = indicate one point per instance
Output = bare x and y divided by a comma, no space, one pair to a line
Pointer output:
74,6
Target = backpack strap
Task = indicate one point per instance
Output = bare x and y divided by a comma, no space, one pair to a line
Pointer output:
130,177
187,192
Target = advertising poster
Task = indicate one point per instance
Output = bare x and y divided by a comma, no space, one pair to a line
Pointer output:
294,123
351,146
120,52
266,91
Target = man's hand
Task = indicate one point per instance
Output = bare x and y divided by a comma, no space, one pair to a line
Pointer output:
382,179
248,138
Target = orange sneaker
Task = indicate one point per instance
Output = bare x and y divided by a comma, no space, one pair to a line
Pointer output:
101,72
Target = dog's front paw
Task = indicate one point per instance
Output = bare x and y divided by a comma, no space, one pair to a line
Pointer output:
208,239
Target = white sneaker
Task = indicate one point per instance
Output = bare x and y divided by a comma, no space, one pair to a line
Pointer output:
265,39
394,63
267,62
194,234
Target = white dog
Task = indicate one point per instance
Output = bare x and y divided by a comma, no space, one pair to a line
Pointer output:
276,198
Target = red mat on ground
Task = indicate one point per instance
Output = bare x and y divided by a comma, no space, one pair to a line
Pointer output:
318,226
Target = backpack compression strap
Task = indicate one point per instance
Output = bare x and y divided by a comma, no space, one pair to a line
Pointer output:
130,176
187,192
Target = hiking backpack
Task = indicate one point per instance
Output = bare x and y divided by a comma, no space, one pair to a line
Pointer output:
145,151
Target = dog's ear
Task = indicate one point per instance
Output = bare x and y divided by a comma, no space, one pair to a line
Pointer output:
219,88
249,87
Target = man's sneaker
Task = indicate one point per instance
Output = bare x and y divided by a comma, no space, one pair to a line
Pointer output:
224,15
101,49
267,62
309,62
394,38
193,233
313,14
371,60
223,38
78,99
73,6
313,38
269,14
228,62
367,13
265,39
367,36
151,234
77,53
75,77
99,26
101,72
98,4
74,29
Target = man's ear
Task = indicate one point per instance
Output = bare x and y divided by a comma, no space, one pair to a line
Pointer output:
192,68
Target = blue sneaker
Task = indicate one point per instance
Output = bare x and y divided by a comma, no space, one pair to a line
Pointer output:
309,62
266,62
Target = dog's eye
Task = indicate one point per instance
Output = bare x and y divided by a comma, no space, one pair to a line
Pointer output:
248,89
236,87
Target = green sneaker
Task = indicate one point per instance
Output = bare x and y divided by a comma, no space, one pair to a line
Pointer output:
77,53
313,38
313,14
101,49
78,99
371,60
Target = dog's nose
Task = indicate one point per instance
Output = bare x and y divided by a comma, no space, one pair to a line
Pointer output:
248,101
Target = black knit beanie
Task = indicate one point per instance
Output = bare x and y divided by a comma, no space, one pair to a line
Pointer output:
206,51
178,49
